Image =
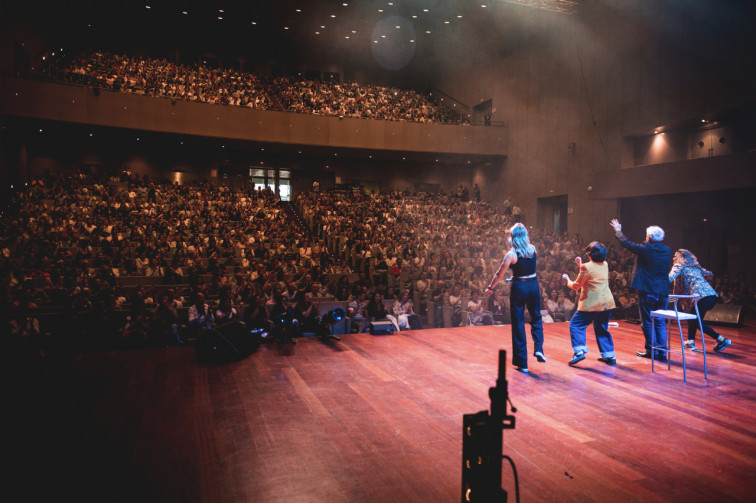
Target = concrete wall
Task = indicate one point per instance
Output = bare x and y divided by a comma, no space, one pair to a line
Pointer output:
579,91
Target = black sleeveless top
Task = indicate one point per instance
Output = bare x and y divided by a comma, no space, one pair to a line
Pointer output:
525,266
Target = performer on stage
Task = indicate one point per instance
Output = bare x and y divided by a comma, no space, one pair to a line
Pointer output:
521,258
652,283
594,306
690,279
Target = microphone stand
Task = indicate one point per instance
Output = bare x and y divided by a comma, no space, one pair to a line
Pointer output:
482,436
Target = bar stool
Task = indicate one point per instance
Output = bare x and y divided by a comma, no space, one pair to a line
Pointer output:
675,314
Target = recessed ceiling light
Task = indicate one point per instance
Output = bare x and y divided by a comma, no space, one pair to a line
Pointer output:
354,31
286,27
299,10
254,22
446,22
333,15
414,17
427,31
317,33
412,41
346,36
459,17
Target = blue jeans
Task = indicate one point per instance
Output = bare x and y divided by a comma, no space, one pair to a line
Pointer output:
600,319
654,330
522,294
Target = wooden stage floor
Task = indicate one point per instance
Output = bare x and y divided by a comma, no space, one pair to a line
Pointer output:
379,419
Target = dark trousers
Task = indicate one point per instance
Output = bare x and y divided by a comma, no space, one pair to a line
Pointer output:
704,305
525,294
654,330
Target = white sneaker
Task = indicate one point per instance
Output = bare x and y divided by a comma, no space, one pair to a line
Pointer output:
689,344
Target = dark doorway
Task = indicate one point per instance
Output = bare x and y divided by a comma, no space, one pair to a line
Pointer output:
552,213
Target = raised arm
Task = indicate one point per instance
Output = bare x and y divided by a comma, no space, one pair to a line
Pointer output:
633,247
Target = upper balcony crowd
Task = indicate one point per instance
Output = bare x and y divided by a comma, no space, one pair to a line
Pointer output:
225,86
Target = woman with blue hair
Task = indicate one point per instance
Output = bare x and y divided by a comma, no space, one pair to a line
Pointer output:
525,292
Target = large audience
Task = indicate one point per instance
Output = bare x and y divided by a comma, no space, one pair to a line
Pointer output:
115,260
225,86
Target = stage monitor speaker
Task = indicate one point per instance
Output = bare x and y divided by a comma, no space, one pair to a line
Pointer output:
381,328
225,343
725,314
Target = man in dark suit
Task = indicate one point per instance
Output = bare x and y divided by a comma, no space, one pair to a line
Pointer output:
651,280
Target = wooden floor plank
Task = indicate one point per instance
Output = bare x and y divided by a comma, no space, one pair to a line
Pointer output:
379,419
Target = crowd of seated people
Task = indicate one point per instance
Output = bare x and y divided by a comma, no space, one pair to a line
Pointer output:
126,261
161,78
202,83
445,247
350,99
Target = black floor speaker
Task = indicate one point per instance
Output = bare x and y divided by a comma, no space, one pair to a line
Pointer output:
725,314
225,343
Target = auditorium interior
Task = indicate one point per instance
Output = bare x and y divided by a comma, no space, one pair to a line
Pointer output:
326,152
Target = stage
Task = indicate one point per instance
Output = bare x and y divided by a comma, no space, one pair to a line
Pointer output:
379,419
